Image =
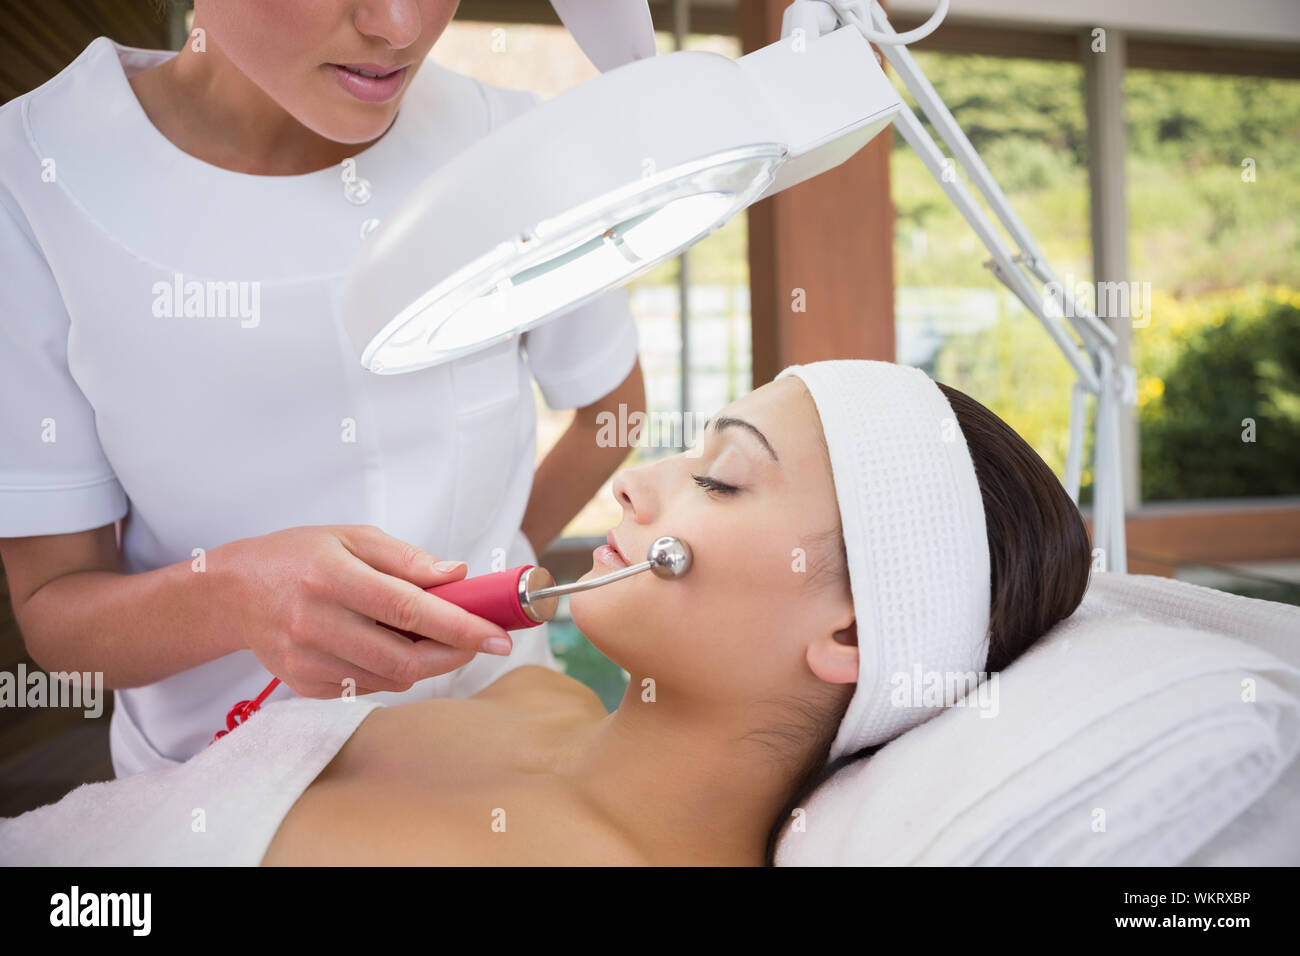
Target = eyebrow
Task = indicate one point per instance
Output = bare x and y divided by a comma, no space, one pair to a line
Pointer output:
723,422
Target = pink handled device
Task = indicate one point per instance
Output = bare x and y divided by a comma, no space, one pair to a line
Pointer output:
503,597
527,596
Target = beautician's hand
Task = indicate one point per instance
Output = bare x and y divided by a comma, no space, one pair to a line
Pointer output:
307,601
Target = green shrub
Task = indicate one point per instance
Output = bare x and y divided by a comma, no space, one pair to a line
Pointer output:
1240,363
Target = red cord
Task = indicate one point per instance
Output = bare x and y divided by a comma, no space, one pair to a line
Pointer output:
243,710
247,708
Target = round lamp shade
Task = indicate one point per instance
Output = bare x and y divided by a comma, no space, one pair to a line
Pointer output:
566,201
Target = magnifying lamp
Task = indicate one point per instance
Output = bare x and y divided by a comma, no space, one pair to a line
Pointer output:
597,186
600,184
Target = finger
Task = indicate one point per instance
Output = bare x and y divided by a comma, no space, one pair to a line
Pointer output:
314,666
400,604
390,657
422,658
317,690
432,659
398,558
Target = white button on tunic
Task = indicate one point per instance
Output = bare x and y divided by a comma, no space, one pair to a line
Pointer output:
171,352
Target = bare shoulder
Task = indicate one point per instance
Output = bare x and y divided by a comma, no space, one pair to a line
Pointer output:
535,687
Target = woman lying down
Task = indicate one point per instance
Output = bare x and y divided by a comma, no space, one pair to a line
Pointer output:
853,523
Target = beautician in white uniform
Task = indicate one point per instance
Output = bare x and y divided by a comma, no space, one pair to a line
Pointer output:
173,237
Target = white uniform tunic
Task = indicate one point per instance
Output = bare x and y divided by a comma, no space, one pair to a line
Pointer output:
171,352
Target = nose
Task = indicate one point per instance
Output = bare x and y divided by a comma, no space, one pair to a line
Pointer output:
634,490
396,22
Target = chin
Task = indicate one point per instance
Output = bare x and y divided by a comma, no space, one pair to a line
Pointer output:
628,623
585,612
598,614
338,117
362,130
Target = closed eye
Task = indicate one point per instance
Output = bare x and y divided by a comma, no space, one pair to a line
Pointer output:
712,484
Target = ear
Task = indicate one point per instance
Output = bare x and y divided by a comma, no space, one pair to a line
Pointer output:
834,657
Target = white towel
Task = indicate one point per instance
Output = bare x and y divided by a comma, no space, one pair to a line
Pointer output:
1122,739
220,808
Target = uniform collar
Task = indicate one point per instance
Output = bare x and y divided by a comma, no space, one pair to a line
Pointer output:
179,213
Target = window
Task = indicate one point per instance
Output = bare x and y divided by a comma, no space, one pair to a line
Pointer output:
1027,121
1213,174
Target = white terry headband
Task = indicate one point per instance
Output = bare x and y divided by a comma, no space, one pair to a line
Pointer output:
914,534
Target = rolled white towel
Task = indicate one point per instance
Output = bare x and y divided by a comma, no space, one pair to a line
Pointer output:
220,808
1131,734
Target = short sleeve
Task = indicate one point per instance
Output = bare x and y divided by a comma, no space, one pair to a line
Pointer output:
54,476
583,355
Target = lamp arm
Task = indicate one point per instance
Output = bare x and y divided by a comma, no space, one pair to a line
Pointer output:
1094,361
1088,326
1004,263
1094,364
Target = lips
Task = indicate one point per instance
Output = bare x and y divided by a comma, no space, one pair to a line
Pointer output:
609,554
609,539
372,70
369,82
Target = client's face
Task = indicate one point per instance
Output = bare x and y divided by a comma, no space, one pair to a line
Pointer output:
756,503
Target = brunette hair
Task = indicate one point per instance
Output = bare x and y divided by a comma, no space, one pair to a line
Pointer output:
1039,562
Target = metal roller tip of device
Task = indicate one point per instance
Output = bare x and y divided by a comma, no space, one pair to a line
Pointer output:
669,557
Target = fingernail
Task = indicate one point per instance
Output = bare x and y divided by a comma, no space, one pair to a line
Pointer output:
446,567
496,645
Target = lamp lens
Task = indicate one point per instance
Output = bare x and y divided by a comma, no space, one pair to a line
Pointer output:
571,258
